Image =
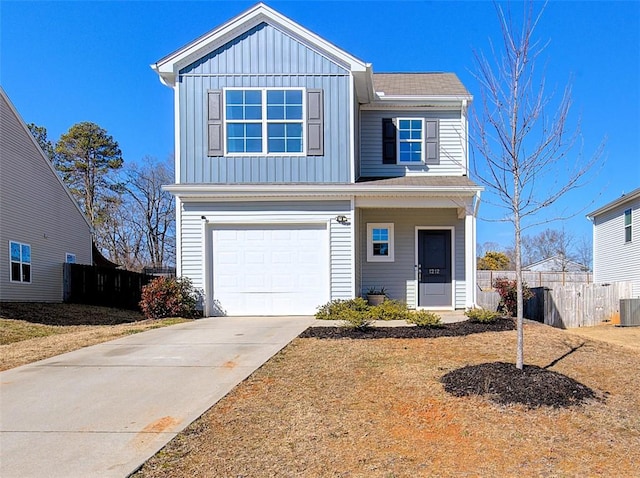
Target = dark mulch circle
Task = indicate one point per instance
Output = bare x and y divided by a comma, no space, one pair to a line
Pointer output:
503,383
447,330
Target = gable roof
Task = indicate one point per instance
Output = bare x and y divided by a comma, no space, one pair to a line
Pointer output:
169,66
635,194
557,259
418,84
41,153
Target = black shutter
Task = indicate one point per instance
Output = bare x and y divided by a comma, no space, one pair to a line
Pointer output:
215,141
388,141
315,123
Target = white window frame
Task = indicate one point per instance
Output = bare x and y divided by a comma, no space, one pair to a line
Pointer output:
421,141
265,122
628,226
69,255
370,242
11,262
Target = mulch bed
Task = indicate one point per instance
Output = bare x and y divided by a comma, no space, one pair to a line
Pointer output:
503,383
67,314
457,329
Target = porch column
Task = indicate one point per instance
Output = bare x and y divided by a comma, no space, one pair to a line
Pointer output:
470,258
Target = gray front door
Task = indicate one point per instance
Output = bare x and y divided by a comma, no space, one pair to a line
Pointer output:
434,268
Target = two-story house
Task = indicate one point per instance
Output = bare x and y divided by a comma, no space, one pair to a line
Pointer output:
303,177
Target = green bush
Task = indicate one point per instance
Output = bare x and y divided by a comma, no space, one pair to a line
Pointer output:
169,297
481,315
389,310
342,309
424,318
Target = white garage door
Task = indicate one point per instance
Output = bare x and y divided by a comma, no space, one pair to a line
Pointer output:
271,270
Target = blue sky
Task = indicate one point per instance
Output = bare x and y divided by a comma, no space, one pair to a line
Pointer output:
66,62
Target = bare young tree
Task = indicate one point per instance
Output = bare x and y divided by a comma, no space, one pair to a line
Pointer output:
526,151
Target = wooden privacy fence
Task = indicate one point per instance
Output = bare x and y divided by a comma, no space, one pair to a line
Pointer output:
571,305
534,279
103,286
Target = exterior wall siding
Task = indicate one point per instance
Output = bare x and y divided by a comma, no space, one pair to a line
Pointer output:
451,143
394,276
193,244
613,259
35,209
264,57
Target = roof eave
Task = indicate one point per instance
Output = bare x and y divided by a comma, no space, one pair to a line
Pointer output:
635,194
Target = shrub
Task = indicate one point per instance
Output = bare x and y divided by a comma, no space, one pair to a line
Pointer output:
424,318
169,297
483,316
389,310
342,309
508,295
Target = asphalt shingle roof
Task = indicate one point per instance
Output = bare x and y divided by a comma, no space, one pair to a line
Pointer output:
419,84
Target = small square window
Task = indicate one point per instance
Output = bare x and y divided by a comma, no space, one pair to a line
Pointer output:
70,258
380,242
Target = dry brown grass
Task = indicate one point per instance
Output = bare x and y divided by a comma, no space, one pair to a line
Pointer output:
376,408
27,334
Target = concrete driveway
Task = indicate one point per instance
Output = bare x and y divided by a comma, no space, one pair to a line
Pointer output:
103,410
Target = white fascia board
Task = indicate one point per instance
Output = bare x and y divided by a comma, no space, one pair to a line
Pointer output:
169,66
635,194
431,102
315,191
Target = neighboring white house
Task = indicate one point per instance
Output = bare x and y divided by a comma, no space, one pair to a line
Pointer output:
303,177
41,226
557,263
616,241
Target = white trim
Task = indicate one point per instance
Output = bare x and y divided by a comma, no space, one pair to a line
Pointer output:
264,121
370,242
421,141
353,227
176,132
352,132
453,265
178,236
469,261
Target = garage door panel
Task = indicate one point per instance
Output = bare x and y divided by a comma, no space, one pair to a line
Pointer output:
270,269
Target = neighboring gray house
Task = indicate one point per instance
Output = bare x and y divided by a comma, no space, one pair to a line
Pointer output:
303,177
41,226
557,263
616,241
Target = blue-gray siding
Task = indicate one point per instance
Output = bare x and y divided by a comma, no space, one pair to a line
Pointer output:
451,143
264,57
393,276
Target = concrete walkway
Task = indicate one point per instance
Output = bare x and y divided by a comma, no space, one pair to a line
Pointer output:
103,410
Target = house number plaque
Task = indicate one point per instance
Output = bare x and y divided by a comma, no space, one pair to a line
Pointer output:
434,271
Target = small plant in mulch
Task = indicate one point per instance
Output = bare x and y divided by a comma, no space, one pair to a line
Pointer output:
483,316
169,297
505,384
389,310
424,318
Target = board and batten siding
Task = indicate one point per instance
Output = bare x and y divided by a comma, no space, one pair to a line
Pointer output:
394,276
615,260
451,144
264,57
193,244
35,209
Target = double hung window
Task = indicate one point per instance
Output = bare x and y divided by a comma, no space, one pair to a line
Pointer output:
380,242
627,225
410,141
264,121
20,262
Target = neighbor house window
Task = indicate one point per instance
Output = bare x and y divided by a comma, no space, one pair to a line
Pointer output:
70,258
264,120
20,259
380,242
410,141
627,225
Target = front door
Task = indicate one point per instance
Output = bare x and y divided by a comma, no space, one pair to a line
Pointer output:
434,268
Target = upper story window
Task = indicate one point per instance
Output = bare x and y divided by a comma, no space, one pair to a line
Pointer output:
627,225
20,262
410,141
264,121
70,258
